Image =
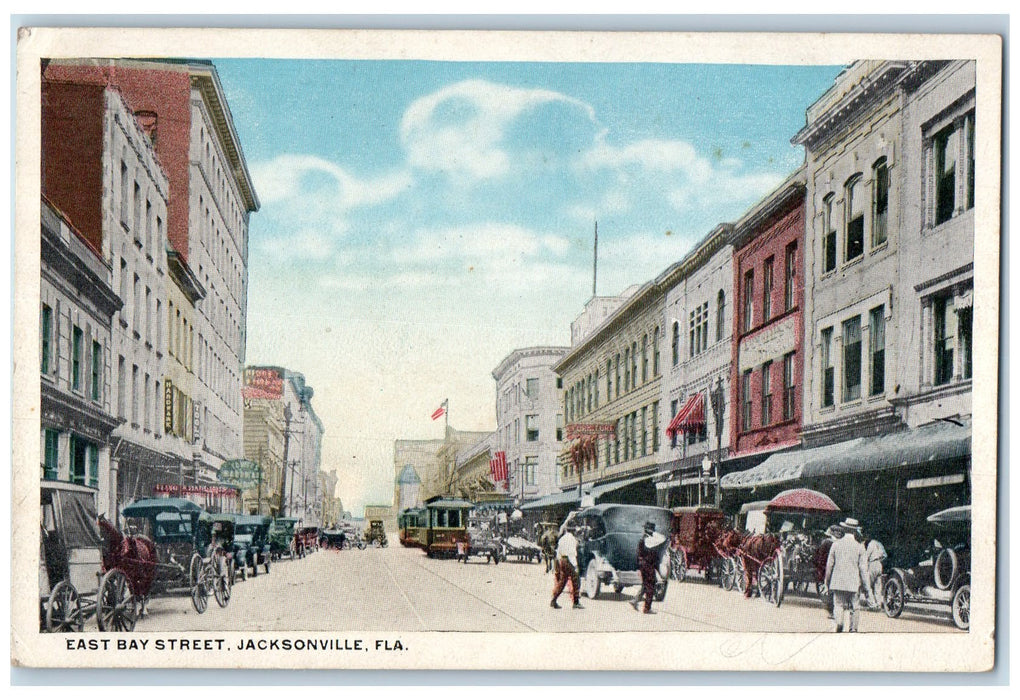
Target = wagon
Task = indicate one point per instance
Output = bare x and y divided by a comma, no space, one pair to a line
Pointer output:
251,544
70,557
521,549
799,518
480,542
307,540
694,533
281,538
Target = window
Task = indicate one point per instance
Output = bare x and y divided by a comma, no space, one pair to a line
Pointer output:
644,358
745,400
828,235
531,388
530,463
76,358
97,368
121,388
609,378
852,359
134,395
876,350
148,315
969,121
880,203
137,220
748,301
644,430
676,343
633,434
655,352
790,278
964,322
93,459
125,192
828,371
699,329
625,437
766,290
626,369
720,316
148,404
766,393
51,453
46,329
616,442
79,454
150,226
595,388
946,148
655,426
531,428
633,365
789,387
616,371
945,342
136,295
559,380
559,427
854,219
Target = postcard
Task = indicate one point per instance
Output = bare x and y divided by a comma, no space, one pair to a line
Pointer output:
506,350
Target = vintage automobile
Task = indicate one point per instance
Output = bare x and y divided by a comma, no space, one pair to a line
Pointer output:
942,573
251,544
375,534
282,541
693,542
307,540
482,542
70,561
608,536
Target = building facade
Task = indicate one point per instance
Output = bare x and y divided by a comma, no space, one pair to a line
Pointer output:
77,307
529,420
696,353
768,328
205,197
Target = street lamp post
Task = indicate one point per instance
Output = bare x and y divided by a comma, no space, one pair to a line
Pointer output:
718,412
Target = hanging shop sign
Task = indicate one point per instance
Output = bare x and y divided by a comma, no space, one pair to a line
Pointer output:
242,473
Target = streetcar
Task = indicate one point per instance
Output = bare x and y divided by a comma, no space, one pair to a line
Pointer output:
438,527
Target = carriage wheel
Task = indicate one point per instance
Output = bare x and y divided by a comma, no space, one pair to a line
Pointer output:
677,564
198,575
771,582
893,595
116,605
739,575
63,609
961,607
221,588
727,574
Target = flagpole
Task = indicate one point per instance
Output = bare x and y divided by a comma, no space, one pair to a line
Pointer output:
595,262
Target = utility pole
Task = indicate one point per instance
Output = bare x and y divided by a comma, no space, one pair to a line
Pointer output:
718,409
595,262
287,415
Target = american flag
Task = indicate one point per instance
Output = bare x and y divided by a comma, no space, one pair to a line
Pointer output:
498,468
438,413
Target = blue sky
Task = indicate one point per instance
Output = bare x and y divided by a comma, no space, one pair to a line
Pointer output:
420,220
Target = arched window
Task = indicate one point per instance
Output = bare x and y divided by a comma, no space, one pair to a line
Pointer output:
720,316
676,343
828,234
854,207
655,352
879,202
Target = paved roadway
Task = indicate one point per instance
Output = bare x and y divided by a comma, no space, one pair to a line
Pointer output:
398,589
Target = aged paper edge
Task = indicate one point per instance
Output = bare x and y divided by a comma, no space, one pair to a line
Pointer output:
603,651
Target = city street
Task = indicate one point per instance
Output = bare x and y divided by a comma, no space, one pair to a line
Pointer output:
400,589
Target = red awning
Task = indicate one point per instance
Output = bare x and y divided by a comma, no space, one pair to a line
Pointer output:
691,416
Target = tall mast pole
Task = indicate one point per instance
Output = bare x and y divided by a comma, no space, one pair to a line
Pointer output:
595,262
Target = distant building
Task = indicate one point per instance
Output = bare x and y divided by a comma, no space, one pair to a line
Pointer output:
408,489
529,420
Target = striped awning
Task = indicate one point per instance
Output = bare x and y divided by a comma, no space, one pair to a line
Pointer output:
691,416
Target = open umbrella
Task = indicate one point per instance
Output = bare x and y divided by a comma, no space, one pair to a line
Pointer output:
802,499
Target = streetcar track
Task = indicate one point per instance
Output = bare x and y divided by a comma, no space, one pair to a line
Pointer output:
403,595
464,590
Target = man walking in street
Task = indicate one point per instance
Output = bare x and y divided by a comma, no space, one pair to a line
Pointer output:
846,573
566,568
876,555
648,561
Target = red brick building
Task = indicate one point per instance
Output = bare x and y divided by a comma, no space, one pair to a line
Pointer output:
768,333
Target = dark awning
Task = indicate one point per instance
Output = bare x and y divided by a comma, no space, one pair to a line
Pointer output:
691,416
934,442
570,495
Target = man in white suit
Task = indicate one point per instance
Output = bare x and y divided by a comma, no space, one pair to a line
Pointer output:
846,573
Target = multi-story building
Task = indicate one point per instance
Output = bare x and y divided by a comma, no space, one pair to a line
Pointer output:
332,505
768,357
202,210
529,419
306,452
697,352
264,427
423,458
116,196
77,307
474,479
611,405
888,261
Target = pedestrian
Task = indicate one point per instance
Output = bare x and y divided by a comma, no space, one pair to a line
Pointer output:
846,573
566,568
876,555
648,553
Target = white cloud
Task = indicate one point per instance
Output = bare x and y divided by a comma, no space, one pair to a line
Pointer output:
460,129
282,179
482,242
303,245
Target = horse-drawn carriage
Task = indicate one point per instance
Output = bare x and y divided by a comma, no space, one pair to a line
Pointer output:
694,534
306,539
70,557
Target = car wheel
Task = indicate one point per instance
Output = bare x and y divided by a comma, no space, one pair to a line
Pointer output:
947,564
592,586
893,593
961,607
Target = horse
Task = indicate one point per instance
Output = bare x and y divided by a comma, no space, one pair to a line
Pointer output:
756,549
134,555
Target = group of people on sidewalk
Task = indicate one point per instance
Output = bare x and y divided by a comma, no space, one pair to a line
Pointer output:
853,569
648,552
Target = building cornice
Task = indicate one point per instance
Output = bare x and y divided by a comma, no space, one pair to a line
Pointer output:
519,354
183,275
776,203
708,246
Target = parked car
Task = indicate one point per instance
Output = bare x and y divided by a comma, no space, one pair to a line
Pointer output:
251,544
608,536
375,534
941,575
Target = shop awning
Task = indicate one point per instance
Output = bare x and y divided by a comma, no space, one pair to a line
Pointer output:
691,416
570,495
935,442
